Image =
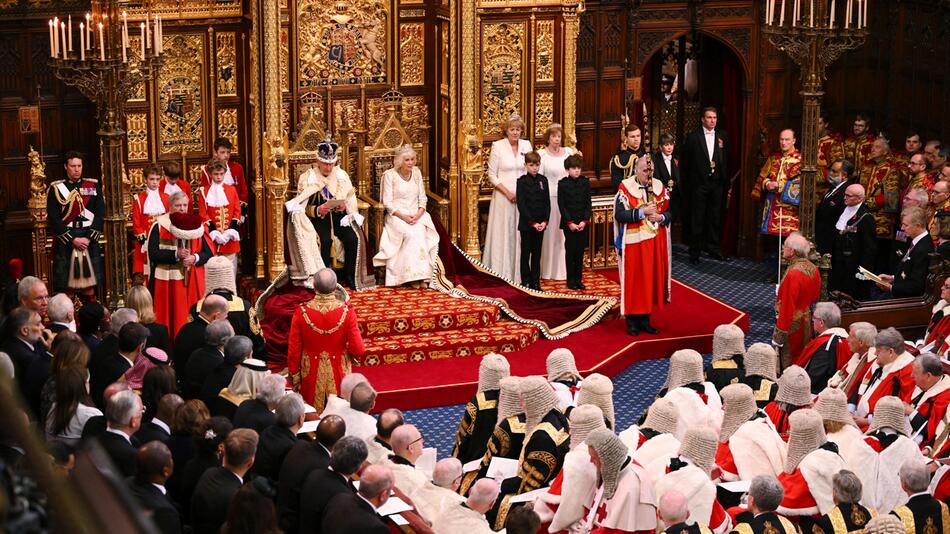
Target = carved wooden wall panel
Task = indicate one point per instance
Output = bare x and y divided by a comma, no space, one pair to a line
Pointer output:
503,65
181,95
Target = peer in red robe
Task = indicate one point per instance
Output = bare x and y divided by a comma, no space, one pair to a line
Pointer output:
323,340
178,248
927,420
146,205
800,288
641,220
823,356
886,376
939,328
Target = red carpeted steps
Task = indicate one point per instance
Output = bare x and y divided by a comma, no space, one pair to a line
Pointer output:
401,325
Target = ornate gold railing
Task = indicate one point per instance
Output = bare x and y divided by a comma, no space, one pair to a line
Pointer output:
601,253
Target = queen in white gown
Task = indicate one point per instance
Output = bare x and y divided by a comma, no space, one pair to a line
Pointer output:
552,168
505,166
409,245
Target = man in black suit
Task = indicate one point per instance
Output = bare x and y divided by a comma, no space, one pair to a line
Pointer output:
96,425
831,205
705,181
155,465
255,414
667,170
206,358
236,350
110,367
159,428
109,344
355,513
62,313
854,244
323,484
219,280
124,417
192,336
765,496
277,440
28,341
304,458
922,513
212,496
910,275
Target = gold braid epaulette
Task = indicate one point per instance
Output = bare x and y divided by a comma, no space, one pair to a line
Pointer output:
320,330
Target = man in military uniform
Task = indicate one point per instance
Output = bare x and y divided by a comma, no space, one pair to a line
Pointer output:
922,513
830,150
857,147
481,412
623,164
76,212
919,176
219,280
779,187
881,183
848,515
765,495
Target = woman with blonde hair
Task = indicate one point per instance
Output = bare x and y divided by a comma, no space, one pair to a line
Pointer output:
409,243
140,299
553,154
505,166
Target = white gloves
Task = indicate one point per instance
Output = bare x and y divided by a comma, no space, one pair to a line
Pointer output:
218,237
232,235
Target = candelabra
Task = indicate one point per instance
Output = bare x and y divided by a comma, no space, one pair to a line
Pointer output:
814,34
106,70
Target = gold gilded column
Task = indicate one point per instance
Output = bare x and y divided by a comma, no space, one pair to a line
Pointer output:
274,141
571,14
472,169
37,207
469,162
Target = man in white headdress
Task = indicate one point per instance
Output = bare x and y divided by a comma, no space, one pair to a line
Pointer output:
689,473
727,354
563,505
481,412
656,437
625,501
697,401
563,376
468,517
878,459
598,390
810,468
760,361
748,443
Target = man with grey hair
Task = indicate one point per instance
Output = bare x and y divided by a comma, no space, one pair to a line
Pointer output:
204,359
765,495
469,516
236,350
910,275
891,373
848,515
829,351
329,322
447,473
359,422
348,513
258,413
191,336
929,400
799,289
62,313
854,244
673,511
33,295
335,402
922,513
124,416
861,336
322,484
306,457
277,440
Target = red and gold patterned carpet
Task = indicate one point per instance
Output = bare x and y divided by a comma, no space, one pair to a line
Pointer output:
407,325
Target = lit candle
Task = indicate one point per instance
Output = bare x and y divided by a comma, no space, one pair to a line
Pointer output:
88,32
864,23
82,41
770,12
158,44
142,38
148,40
831,21
55,36
102,44
125,44
52,40
847,15
62,31
781,16
70,24
811,13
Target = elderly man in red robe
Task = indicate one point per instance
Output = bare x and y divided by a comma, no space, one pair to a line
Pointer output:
800,288
178,247
324,339
927,408
891,373
829,351
641,221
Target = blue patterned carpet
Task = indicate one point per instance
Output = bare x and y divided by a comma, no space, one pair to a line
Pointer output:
740,283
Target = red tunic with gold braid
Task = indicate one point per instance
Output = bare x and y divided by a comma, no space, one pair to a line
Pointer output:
222,218
778,216
323,338
141,224
881,181
800,288
830,150
857,150
233,177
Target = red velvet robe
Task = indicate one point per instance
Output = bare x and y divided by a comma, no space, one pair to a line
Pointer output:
930,406
843,351
222,218
780,418
645,261
141,224
175,289
897,380
800,288
939,329
323,338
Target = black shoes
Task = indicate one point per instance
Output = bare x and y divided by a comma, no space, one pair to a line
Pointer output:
639,323
645,326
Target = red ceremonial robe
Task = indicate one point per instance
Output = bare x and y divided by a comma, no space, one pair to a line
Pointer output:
141,224
174,287
800,288
222,218
939,329
780,418
645,249
323,338
930,407
940,484
234,176
843,351
896,379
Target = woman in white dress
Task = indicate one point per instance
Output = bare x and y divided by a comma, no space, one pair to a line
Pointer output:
552,167
410,244
505,166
